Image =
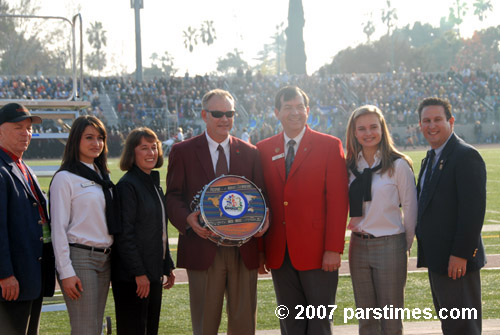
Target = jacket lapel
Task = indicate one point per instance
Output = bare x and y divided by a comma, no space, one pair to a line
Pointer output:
234,159
19,175
423,166
278,156
437,172
204,157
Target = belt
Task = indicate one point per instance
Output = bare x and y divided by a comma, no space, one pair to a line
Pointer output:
86,247
364,236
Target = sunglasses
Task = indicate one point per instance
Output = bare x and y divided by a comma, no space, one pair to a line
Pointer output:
219,114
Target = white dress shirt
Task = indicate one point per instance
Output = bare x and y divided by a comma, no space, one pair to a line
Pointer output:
214,153
382,216
77,209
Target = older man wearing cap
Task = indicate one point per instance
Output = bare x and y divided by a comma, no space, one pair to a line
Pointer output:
26,257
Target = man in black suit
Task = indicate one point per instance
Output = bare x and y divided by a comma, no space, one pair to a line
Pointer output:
452,201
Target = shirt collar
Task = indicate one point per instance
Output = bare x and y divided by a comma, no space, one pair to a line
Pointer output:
439,150
297,138
362,163
212,145
11,155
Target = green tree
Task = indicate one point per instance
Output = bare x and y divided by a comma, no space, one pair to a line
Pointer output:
272,54
96,35
481,7
26,47
231,63
295,48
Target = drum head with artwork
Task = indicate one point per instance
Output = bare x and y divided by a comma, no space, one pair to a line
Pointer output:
233,207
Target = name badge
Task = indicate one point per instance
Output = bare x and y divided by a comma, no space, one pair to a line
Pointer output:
88,184
278,156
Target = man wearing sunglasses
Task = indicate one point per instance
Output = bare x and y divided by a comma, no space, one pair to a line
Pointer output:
214,271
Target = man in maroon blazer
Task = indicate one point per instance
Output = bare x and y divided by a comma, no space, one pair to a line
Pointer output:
214,270
306,183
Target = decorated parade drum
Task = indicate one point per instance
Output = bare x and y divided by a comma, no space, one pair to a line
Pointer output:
232,207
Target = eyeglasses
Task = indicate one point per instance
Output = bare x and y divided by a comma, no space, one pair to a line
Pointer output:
219,114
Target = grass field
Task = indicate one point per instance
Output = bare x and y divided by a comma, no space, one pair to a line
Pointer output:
175,317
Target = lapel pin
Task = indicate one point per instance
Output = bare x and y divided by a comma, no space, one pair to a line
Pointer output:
237,151
277,150
441,164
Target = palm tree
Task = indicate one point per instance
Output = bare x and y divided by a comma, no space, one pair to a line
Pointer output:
190,38
97,39
481,7
369,28
389,17
457,12
154,58
207,32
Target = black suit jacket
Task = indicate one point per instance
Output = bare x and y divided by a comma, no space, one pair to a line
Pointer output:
138,249
190,168
450,220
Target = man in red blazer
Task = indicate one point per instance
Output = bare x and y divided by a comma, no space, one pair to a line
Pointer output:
308,213
214,271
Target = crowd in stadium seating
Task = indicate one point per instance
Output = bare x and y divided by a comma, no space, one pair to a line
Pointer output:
474,94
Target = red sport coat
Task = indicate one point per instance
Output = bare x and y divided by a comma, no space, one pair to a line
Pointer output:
309,209
190,168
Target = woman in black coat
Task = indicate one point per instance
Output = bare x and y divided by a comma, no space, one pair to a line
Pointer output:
141,255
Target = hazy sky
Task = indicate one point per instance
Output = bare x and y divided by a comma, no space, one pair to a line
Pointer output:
330,26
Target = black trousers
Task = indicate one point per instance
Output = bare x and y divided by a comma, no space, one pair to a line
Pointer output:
20,317
136,316
457,296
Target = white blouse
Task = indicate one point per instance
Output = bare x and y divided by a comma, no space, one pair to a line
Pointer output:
382,216
77,209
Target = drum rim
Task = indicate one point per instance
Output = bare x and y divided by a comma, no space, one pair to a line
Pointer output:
218,233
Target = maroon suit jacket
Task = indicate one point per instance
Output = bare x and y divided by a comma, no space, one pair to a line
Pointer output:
309,208
189,170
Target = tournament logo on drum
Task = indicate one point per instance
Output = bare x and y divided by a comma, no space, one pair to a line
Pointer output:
233,204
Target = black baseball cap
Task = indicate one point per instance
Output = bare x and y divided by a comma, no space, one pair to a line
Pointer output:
14,112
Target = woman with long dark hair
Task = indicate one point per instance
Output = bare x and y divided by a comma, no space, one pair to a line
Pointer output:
85,214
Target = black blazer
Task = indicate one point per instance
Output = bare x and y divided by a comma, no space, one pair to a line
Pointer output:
22,252
138,250
451,219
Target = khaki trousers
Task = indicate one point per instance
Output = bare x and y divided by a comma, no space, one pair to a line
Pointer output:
227,276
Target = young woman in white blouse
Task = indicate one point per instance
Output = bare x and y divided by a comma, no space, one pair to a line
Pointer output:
383,211
85,213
